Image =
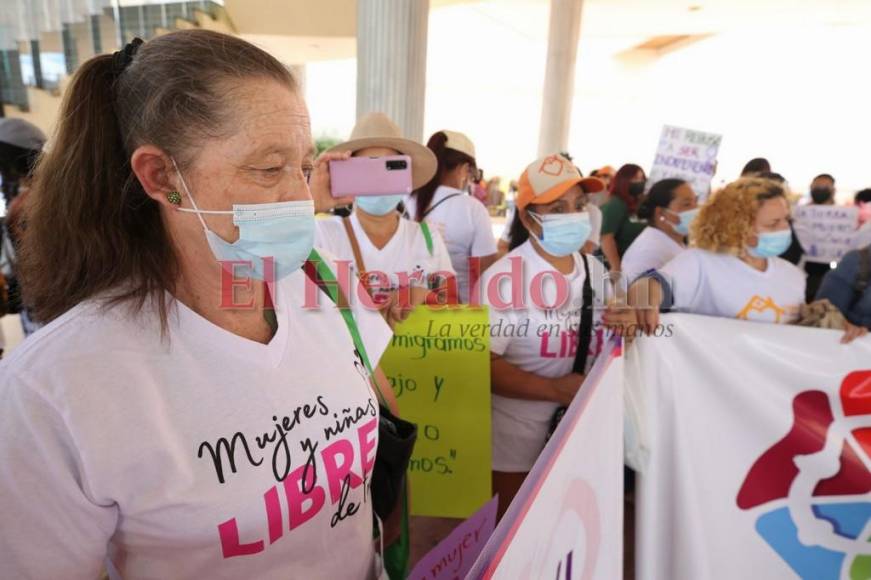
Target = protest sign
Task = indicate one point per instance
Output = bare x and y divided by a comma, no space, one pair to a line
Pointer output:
438,364
825,232
686,154
452,558
758,442
566,522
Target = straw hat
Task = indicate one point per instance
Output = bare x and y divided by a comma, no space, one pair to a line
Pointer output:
378,130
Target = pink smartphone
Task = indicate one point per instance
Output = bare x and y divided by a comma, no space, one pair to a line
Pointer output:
370,176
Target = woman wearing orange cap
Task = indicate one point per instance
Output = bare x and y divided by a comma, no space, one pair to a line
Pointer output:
546,334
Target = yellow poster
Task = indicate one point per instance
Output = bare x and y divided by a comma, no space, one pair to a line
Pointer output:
439,367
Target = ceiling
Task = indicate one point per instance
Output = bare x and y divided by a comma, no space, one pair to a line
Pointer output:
316,30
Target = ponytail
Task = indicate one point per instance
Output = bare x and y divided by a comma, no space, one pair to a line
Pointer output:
448,160
518,232
88,221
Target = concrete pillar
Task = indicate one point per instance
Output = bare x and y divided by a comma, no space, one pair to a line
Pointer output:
391,61
559,77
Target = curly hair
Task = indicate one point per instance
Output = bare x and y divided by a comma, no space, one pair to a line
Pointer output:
725,222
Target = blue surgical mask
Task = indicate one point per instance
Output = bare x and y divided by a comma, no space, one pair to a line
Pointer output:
563,234
378,204
771,244
282,231
686,218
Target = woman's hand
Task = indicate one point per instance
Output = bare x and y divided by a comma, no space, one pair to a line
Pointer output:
645,297
565,388
319,184
402,302
852,332
621,320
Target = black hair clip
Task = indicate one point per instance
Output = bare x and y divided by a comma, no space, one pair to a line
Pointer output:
122,58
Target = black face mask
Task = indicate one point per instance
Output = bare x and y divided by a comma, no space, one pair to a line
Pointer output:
821,194
636,188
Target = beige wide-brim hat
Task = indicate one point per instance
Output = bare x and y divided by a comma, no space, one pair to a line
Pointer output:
378,130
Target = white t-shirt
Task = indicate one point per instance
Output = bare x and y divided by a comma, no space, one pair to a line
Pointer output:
722,285
651,250
107,437
405,253
465,225
549,336
537,340
595,221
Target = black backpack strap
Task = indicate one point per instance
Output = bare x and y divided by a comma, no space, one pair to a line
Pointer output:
585,331
863,275
432,207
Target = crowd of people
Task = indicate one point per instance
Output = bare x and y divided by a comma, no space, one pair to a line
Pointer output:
179,412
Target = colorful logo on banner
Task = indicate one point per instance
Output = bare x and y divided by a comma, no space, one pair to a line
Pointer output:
813,485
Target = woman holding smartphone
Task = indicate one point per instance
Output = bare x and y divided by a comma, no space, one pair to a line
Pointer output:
398,260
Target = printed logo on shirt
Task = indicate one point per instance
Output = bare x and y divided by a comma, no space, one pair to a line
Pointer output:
559,336
317,470
810,489
763,309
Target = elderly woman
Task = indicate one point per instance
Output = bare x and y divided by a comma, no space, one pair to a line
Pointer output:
734,270
182,415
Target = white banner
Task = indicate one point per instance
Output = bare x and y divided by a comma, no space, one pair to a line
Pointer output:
567,520
758,446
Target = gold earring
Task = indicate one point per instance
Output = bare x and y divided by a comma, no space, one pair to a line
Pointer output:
173,197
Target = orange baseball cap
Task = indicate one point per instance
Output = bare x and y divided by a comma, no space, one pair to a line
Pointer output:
547,179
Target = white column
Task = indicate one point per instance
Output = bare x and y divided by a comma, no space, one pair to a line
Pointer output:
559,77
391,61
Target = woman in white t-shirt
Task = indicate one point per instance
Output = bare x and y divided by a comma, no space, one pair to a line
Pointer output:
733,270
669,208
462,220
187,411
538,332
404,261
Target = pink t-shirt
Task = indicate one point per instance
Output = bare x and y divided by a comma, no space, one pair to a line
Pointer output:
204,455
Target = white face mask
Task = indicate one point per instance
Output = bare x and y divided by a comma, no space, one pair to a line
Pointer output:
279,233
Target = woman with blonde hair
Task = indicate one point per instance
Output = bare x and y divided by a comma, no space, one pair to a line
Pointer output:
733,270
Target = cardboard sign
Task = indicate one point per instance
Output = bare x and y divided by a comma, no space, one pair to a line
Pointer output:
438,364
825,232
686,154
453,557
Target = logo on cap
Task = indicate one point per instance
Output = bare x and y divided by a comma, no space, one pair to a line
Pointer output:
553,165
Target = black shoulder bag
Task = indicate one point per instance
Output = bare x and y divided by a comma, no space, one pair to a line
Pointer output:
584,338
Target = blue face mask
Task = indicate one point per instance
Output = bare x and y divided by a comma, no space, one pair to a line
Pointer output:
282,231
771,244
378,204
686,218
563,234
